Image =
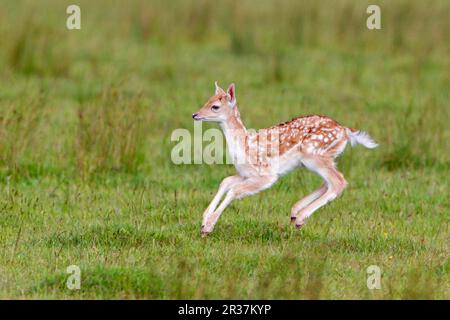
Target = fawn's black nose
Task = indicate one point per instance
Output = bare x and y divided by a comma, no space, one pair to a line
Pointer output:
194,115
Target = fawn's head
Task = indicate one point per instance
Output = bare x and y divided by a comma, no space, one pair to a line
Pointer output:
220,107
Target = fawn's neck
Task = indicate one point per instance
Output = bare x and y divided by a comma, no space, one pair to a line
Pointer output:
235,132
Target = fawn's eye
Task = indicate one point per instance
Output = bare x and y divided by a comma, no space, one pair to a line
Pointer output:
215,108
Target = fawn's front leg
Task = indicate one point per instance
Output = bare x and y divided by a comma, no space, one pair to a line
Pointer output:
225,185
245,188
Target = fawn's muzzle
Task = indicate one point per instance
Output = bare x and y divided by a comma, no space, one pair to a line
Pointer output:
195,116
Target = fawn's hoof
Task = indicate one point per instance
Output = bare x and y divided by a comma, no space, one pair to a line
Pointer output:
204,234
299,225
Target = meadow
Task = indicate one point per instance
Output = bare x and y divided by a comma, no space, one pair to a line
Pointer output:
86,176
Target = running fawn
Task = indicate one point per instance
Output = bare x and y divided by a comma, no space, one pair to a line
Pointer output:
262,157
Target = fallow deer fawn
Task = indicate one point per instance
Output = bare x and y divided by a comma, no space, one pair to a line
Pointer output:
262,157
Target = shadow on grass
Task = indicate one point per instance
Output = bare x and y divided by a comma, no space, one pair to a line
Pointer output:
106,282
402,157
117,235
258,232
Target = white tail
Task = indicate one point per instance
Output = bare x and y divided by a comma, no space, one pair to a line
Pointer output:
361,137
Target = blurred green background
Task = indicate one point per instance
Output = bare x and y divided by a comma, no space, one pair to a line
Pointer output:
85,172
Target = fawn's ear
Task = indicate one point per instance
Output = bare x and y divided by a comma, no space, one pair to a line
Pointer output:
218,89
231,94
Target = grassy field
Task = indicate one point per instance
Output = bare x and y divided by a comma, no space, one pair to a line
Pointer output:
86,177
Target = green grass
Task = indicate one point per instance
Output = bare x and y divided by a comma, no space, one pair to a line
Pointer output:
85,171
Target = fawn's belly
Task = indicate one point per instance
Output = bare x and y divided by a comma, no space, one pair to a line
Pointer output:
272,166
284,165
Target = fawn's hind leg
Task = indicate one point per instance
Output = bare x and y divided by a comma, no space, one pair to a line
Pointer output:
334,181
302,203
